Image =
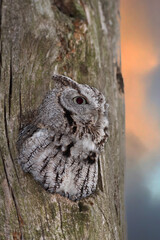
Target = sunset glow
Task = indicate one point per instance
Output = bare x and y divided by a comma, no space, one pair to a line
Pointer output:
139,57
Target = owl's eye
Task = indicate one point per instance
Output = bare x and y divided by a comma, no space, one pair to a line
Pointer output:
79,100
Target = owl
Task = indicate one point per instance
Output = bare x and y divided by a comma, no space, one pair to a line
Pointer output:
60,148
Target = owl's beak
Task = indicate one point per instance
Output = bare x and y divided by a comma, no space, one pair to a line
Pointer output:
95,117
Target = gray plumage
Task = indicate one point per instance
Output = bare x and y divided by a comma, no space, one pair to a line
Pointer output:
61,147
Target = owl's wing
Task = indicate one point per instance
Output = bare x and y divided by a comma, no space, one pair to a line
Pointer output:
25,133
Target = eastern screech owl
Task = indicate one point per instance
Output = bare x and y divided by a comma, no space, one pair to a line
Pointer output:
61,147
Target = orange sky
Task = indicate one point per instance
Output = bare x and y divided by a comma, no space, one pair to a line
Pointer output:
139,57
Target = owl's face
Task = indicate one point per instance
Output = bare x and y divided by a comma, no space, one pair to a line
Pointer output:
84,103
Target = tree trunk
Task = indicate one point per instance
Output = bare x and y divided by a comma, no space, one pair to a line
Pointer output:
80,39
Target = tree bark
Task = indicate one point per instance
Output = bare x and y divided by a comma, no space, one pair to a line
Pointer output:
80,39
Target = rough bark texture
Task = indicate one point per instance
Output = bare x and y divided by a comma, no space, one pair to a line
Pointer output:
80,39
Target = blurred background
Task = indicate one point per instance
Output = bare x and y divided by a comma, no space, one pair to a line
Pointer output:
140,48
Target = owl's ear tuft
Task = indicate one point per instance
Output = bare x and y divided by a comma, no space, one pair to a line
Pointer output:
61,81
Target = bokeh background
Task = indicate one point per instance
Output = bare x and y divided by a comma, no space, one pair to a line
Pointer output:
140,49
